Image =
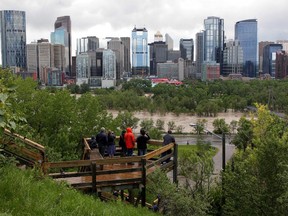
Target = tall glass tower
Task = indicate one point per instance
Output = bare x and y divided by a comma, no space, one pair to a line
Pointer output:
13,38
62,35
140,58
213,39
246,34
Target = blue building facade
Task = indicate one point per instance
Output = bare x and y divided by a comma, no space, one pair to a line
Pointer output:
13,38
246,34
62,35
213,39
140,53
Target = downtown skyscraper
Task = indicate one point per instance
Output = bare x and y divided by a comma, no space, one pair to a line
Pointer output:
13,38
62,35
246,34
213,39
140,58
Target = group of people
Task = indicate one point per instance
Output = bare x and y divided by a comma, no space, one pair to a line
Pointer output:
106,142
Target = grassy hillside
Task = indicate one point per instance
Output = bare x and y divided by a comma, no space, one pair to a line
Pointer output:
25,193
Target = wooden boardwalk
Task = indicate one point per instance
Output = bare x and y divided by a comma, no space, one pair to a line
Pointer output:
93,172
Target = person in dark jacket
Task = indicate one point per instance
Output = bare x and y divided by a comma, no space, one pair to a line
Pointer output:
92,142
122,144
167,139
102,141
142,140
111,144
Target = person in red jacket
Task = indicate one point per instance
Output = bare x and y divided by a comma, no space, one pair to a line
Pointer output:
129,141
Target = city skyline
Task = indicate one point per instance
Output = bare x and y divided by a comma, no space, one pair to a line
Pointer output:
118,18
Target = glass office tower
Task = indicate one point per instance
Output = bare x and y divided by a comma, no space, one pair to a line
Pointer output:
187,49
13,38
246,34
213,39
62,35
140,58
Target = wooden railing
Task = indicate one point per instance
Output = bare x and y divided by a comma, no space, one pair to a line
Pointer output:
109,174
25,150
97,175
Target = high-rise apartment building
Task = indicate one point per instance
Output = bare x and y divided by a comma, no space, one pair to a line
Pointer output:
85,44
158,54
32,58
284,44
117,46
169,42
62,35
269,58
262,44
213,39
186,47
199,54
109,64
232,58
42,56
246,34
59,57
127,61
281,70
13,38
140,55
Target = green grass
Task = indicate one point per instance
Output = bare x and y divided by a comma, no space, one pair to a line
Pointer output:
184,148
25,193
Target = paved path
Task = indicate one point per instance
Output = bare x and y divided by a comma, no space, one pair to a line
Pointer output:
216,142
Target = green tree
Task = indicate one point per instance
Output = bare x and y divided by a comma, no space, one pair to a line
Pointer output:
146,124
220,126
160,124
256,181
171,125
173,200
179,129
140,86
197,168
10,116
84,88
243,138
126,119
233,125
200,126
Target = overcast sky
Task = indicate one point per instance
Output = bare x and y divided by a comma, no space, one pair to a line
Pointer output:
178,18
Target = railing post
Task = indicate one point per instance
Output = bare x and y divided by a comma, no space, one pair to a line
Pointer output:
93,168
175,163
143,189
223,151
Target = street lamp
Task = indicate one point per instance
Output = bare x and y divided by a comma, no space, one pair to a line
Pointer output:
223,143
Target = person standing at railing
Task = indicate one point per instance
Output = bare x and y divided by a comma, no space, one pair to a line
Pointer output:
111,144
129,139
142,140
167,139
122,143
102,141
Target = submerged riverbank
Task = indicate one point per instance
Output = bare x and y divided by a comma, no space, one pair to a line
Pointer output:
183,119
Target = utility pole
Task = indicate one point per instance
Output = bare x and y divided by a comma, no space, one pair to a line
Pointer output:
223,152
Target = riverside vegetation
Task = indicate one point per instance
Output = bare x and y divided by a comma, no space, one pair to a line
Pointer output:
254,182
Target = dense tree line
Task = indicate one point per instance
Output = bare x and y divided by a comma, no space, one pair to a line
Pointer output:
195,97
